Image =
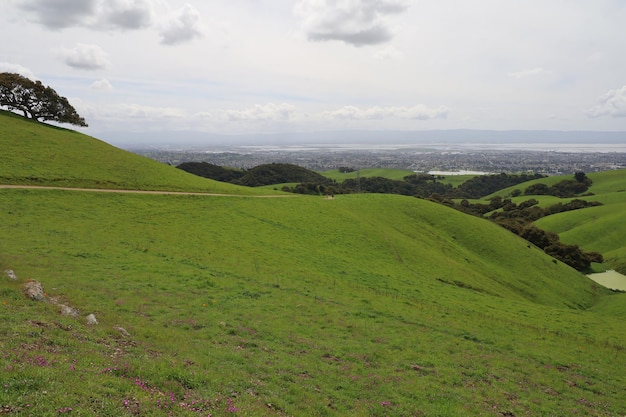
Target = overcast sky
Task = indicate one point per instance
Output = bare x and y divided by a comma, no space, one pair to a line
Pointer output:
254,66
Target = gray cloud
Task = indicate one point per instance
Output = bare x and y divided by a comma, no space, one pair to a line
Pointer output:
85,57
119,14
183,26
127,14
612,104
58,14
356,22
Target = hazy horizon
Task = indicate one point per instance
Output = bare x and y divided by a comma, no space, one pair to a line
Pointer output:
461,138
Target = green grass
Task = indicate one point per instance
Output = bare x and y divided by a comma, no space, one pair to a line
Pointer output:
600,228
455,180
39,154
393,174
364,305
314,306
594,229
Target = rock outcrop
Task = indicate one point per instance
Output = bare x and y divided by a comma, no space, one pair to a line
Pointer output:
33,290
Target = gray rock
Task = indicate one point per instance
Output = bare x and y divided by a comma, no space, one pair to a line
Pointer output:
33,290
10,274
68,311
122,331
91,320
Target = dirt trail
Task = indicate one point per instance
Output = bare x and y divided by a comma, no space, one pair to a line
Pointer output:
111,190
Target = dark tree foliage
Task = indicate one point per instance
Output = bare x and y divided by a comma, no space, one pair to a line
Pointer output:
275,173
36,101
483,185
562,189
214,172
573,256
266,174
581,176
410,186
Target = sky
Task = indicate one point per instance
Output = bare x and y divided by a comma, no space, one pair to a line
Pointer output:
280,66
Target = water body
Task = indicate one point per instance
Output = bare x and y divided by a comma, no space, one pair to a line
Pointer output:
610,279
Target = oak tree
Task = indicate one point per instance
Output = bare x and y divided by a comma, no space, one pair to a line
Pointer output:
35,100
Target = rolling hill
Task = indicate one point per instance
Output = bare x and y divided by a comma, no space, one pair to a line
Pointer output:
597,229
39,154
359,305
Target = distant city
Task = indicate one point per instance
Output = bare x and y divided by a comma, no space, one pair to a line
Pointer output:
444,161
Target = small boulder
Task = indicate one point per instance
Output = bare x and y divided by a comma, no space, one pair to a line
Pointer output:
68,311
33,290
91,320
10,274
122,331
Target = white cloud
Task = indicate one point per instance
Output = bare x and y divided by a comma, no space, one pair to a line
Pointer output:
101,85
267,112
126,14
85,57
58,14
612,104
17,69
184,25
417,112
138,111
356,22
528,73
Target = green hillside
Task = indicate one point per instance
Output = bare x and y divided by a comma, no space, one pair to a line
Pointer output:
39,154
393,174
361,305
599,229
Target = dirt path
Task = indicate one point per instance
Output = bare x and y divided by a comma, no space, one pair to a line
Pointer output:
110,190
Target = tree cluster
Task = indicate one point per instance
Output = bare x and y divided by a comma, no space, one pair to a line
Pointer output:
571,255
483,185
417,185
563,189
266,174
214,172
35,100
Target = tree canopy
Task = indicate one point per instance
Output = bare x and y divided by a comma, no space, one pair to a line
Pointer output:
35,100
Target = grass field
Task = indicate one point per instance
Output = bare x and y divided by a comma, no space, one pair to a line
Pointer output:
313,306
364,305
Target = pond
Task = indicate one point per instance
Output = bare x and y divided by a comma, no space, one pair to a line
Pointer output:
610,279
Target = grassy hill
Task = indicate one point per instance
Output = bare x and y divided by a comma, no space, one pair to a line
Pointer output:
597,229
393,174
602,228
360,305
39,154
